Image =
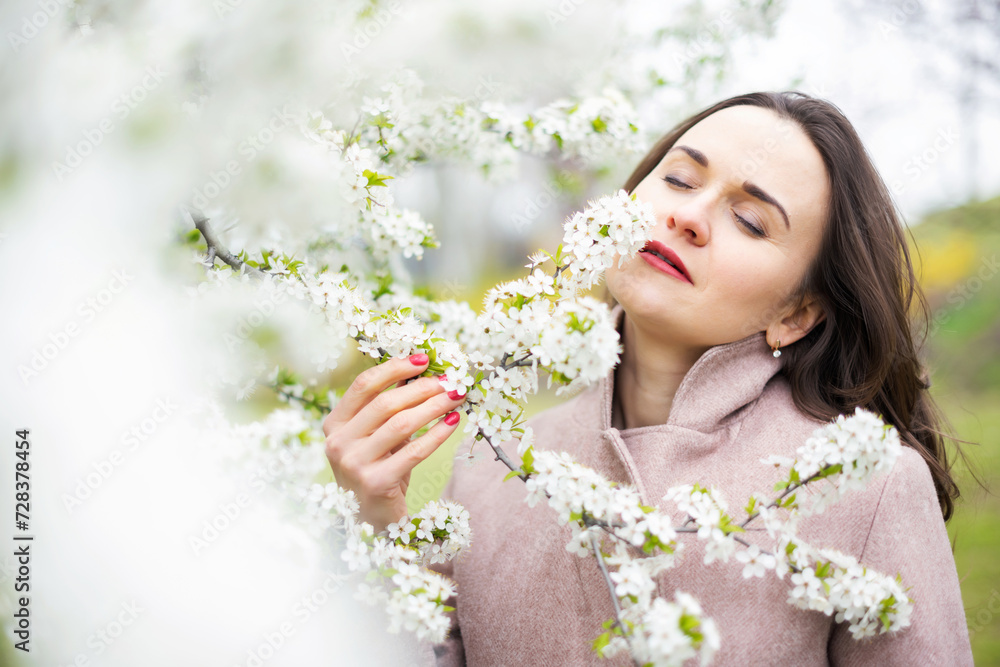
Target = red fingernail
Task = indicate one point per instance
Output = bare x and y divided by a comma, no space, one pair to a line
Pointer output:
454,395
451,418
419,359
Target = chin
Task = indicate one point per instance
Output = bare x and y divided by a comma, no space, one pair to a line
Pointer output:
632,290
642,306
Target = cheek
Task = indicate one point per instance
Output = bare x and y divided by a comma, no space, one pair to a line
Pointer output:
615,277
751,292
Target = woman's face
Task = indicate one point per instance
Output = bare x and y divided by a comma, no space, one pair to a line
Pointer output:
741,201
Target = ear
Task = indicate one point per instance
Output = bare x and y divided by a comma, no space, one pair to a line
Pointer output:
796,324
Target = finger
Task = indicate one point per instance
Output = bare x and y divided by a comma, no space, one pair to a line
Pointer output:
402,462
402,425
392,410
370,383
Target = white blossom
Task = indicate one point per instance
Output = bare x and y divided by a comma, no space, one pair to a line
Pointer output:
614,226
847,453
757,563
541,322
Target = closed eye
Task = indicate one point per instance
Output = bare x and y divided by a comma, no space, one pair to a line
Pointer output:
678,183
750,227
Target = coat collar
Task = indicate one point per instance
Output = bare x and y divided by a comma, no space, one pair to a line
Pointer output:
723,380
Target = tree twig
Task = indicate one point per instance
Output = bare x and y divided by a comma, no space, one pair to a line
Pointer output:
502,456
215,246
790,489
314,403
596,546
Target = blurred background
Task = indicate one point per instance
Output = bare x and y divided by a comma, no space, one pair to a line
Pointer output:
920,81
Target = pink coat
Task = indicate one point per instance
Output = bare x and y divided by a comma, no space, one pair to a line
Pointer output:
524,600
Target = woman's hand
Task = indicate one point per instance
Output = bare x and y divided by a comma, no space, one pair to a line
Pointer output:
368,434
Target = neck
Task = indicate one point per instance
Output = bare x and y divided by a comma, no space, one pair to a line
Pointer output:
648,377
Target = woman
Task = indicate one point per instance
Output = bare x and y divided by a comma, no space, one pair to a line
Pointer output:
774,296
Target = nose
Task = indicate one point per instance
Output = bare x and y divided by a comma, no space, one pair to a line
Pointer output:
691,219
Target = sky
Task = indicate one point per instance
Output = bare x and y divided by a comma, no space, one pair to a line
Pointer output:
877,70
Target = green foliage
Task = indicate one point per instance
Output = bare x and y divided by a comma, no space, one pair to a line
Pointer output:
963,355
727,526
689,625
601,642
830,470
376,179
528,461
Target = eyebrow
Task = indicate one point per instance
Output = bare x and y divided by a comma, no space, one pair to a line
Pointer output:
696,155
748,187
755,191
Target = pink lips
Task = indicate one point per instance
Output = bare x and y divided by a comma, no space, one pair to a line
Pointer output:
668,261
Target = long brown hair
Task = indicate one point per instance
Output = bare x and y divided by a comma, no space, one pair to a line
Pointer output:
864,353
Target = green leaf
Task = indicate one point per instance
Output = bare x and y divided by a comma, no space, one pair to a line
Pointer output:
528,460
831,470
375,178
384,282
688,623
512,474
602,640
599,125
727,527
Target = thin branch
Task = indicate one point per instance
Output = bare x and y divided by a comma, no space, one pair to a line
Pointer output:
595,545
502,456
216,248
775,502
314,403
523,361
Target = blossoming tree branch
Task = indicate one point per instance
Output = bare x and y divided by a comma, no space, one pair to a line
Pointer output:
349,276
542,323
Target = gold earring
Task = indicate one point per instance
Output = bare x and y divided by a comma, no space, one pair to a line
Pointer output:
774,349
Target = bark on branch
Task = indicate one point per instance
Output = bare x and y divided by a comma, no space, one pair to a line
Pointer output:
596,546
216,248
